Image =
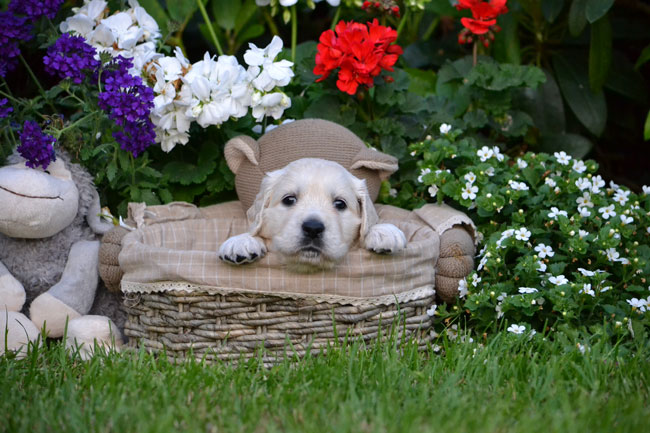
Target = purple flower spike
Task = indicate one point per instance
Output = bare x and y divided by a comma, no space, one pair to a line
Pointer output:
35,9
71,57
4,110
35,146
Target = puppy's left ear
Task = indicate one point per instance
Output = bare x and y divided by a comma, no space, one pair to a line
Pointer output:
255,214
369,215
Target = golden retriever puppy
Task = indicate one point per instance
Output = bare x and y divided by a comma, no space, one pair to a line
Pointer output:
311,211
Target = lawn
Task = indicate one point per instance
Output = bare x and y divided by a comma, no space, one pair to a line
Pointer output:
508,384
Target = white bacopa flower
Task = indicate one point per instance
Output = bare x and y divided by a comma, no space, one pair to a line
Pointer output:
522,164
597,182
527,290
585,200
583,183
621,197
462,288
607,211
612,255
626,220
482,263
485,153
475,280
469,192
586,272
445,128
582,234
432,310
522,234
579,166
587,290
555,213
581,348
497,154
470,177
516,329
558,280
541,266
544,251
550,182
433,190
562,157
489,171
584,212
646,189
614,186
640,304
606,289
423,172
518,186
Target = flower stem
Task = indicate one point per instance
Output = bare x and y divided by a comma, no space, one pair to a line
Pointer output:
38,83
208,23
475,53
294,33
432,27
269,21
337,14
402,22
59,133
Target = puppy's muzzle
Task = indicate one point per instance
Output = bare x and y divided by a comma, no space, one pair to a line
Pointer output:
313,229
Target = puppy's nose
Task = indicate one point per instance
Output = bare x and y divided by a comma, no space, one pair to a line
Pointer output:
313,228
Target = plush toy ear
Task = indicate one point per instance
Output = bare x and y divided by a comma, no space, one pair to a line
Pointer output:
239,149
383,164
255,213
368,213
58,169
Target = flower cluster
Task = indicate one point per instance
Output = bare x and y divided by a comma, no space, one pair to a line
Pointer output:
483,21
71,57
128,102
35,9
35,146
4,109
384,6
131,33
560,244
13,30
211,91
359,51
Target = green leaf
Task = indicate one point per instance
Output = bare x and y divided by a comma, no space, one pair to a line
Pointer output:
186,173
551,9
250,32
111,170
589,107
646,128
625,80
181,10
573,144
545,106
643,57
577,19
600,53
422,82
246,12
596,9
506,46
225,12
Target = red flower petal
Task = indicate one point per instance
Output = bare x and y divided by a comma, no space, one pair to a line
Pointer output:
477,27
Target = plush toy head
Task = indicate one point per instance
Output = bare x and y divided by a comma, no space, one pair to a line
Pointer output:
36,204
251,159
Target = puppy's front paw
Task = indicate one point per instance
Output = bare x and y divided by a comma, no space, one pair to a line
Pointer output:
385,239
242,249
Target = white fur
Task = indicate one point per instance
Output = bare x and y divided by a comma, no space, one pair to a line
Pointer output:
317,186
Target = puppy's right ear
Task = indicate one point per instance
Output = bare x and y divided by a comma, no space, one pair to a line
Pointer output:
240,149
255,213
368,215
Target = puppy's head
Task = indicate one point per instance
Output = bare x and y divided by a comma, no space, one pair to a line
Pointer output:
312,210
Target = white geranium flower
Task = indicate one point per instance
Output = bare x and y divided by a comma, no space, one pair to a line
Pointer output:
555,213
597,182
445,128
521,163
544,251
262,65
433,190
271,104
485,153
621,197
558,280
585,200
516,329
470,177
550,182
587,290
579,166
583,183
626,220
527,290
522,234
469,192
607,211
562,157
462,288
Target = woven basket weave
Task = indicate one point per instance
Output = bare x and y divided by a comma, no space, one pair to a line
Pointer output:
234,327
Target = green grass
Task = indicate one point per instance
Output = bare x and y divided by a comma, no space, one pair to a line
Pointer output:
508,385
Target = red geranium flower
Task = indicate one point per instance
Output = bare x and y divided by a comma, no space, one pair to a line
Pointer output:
361,51
483,21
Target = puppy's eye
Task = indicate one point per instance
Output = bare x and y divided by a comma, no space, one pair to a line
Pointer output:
289,200
340,204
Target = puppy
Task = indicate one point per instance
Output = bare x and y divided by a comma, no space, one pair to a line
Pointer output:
312,212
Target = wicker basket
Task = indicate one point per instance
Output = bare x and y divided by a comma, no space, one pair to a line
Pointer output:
235,327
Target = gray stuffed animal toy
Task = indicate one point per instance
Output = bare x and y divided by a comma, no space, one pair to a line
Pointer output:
49,230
